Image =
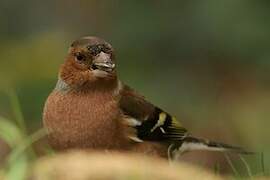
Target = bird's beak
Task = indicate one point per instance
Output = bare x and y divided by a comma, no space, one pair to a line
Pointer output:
103,62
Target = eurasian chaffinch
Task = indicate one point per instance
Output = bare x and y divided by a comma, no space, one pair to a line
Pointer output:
91,108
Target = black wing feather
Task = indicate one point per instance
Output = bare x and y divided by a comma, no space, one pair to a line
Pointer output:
156,124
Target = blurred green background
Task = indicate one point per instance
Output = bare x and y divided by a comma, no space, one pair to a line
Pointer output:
207,62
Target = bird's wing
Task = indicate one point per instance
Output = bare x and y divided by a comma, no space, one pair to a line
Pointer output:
151,123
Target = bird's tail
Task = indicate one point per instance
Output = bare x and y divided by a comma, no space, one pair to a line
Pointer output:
191,143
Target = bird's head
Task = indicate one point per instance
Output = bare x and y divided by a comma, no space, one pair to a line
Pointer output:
89,59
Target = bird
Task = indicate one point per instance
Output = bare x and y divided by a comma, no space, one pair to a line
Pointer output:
91,108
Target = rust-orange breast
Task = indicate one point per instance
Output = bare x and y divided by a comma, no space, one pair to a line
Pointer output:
83,120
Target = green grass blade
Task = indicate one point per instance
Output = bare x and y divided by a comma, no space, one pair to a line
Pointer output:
9,132
217,169
18,160
263,164
12,135
18,170
18,151
19,118
231,165
15,104
247,166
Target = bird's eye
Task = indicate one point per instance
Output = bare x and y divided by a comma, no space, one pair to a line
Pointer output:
79,57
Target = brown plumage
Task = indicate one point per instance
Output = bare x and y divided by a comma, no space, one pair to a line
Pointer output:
91,108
